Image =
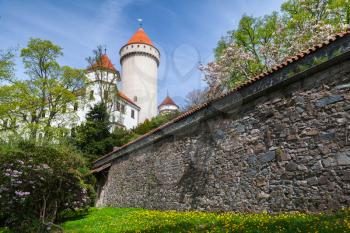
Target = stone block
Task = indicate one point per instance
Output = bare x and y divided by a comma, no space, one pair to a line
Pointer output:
327,136
328,100
239,128
267,157
291,166
346,175
343,158
312,181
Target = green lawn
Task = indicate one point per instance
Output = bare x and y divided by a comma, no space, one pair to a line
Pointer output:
138,220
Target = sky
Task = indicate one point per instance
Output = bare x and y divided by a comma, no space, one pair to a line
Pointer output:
185,31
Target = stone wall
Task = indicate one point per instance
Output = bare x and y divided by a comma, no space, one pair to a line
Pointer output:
285,150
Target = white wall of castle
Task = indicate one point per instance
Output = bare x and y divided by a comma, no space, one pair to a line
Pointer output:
139,72
168,108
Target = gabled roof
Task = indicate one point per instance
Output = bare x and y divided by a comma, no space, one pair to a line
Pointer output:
105,63
123,96
288,61
140,37
167,101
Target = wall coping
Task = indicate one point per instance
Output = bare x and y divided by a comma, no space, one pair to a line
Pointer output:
301,66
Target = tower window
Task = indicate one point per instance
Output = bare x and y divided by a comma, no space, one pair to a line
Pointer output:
132,114
138,46
132,46
91,97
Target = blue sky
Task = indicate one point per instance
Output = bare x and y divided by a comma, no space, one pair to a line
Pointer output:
185,31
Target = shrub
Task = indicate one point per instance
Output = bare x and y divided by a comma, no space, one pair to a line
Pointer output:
37,183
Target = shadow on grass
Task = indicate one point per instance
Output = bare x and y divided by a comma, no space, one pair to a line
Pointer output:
72,215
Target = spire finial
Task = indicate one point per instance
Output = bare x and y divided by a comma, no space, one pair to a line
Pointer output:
140,22
105,50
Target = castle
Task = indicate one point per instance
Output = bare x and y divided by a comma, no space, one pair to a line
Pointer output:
136,84
130,95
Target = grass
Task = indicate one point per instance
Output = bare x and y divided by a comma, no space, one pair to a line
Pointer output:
107,220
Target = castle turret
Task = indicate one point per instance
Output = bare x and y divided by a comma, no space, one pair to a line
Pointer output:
139,60
168,106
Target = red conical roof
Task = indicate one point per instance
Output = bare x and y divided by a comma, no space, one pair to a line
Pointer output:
104,64
140,37
168,101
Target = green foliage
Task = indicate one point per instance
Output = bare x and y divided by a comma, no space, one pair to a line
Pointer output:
93,137
48,92
6,65
259,43
139,220
122,136
38,182
155,122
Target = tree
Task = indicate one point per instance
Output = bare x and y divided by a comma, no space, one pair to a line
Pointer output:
49,92
40,182
260,43
195,98
6,65
104,76
93,137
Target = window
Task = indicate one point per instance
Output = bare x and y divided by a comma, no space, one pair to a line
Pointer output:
43,114
123,108
91,97
132,114
135,98
75,106
118,106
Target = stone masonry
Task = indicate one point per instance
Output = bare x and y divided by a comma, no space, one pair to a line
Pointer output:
286,149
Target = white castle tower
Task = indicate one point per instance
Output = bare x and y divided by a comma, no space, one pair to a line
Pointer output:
139,60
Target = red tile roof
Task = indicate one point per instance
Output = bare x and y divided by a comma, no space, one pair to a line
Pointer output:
123,96
167,101
105,64
247,83
140,37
